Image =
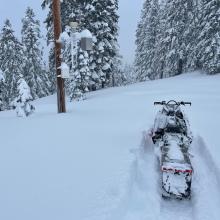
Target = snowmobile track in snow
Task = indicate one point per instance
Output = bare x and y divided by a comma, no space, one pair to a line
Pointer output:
174,209
144,188
205,188
206,181
204,152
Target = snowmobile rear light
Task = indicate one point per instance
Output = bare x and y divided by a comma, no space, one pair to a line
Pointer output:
183,171
188,171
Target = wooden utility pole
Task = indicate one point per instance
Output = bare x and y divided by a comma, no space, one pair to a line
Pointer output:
60,81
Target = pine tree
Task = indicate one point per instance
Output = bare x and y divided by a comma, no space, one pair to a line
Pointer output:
33,72
178,36
160,46
177,18
140,70
11,61
51,73
23,100
165,48
129,74
80,83
191,35
118,76
84,70
102,20
207,51
151,33
2,91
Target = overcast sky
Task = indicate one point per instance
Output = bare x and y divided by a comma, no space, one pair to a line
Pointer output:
129,11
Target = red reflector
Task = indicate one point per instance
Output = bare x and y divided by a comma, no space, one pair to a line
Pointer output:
183,171
188,171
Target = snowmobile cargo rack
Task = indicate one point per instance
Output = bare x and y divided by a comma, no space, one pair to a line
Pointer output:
172,102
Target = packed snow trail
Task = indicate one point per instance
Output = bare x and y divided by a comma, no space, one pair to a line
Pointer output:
143,199
206,182
144,188
176,210
141,196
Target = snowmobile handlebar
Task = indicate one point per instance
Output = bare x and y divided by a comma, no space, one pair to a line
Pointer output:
172,102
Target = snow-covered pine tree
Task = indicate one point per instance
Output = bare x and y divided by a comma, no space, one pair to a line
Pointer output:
101,19
161,45
11,61
177,18
84,70
140,70
80,82
129,74
150,41
23,99
175,38
71,9
118,76
207,50
51,72
191,35
33,71
187,38
2,90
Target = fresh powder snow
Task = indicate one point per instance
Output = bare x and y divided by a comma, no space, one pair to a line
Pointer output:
96,162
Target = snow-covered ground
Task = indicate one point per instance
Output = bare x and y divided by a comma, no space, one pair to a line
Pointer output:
92,163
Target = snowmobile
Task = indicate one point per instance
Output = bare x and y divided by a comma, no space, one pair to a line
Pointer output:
172,138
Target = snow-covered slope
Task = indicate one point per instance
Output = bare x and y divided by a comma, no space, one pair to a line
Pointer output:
92,164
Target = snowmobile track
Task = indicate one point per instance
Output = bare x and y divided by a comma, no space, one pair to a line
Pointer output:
206,181
173,209
144,193
204,152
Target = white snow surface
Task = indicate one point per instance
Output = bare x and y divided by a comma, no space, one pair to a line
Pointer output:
96,161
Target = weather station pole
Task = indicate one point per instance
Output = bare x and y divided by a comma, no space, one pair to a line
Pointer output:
60,81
